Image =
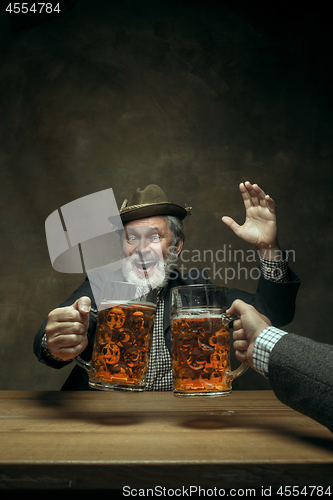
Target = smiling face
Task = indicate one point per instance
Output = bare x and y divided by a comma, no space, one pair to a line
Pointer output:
147,244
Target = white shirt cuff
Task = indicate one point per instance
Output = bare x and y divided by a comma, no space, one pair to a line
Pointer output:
263,347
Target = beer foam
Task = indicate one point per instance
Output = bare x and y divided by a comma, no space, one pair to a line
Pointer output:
189,313
108,304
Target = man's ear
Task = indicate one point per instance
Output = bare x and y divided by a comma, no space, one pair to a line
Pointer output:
179,245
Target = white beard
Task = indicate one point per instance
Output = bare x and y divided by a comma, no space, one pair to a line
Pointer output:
158,278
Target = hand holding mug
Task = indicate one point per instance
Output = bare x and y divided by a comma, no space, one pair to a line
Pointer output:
66,329
246,329
124,333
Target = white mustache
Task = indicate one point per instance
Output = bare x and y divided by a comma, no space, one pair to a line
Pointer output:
158,277
144,260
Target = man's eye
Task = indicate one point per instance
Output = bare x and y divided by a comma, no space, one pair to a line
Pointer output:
131,239
154,238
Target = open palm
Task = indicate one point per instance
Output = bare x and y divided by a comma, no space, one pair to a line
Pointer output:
259,228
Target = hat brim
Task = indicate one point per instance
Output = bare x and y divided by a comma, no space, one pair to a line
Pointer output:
155,209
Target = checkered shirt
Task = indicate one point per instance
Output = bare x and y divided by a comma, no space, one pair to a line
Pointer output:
263,347
274,270
159,375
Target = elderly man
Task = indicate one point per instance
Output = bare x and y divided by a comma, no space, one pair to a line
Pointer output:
153,238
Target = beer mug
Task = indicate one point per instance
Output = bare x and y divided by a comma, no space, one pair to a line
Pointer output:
200,342
124,332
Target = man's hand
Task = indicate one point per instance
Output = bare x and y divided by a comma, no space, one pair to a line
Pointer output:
260,227
66,329
246,329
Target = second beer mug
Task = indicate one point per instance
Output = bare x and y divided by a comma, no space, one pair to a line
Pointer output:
123,338
200,341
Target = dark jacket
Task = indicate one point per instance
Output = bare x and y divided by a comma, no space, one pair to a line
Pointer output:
300,373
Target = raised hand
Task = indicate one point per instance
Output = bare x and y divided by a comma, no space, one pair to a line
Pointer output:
259,228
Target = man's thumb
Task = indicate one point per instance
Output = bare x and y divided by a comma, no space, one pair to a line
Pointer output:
83,305
237,307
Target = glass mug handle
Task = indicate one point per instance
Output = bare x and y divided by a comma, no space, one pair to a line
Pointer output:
78,360
83,364
231,375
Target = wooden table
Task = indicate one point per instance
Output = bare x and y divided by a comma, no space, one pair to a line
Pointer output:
108,440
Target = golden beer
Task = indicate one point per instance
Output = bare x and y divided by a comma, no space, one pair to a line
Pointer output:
200,353
122,344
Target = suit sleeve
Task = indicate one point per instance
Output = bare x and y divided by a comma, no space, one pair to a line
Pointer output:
275,300
300,373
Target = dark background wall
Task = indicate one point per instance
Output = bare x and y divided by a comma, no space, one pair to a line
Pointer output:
193,96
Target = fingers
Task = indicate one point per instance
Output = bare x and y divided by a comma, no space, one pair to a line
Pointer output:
239,335
231,223
238,307
66,329
63,342
68,346
241,355
270,204
247,198
241,346
66,317
83,305
248,316
254,196
228,220
56,327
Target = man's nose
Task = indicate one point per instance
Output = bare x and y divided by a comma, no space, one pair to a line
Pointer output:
143,244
